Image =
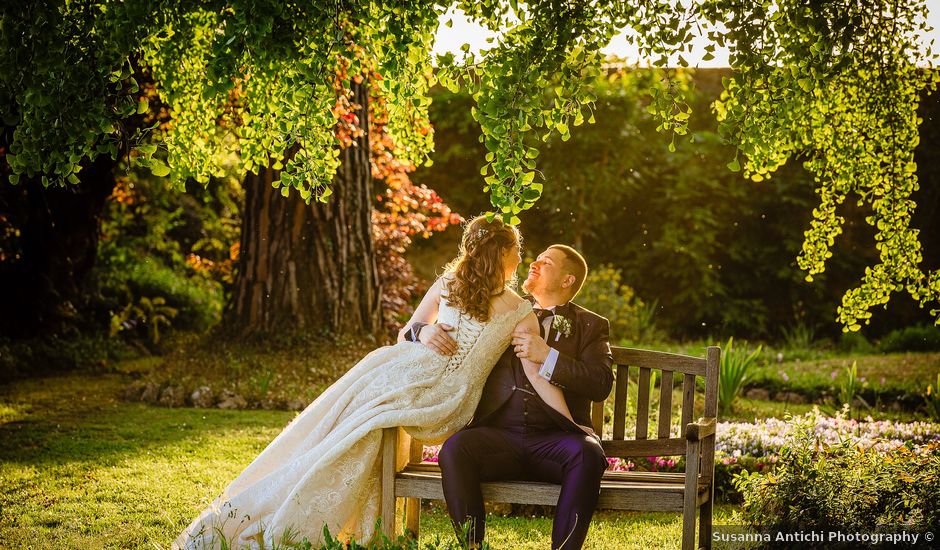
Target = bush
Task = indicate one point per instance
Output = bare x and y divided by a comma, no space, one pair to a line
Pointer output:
854,342
603,293
916,338
42,355
198,300
843,485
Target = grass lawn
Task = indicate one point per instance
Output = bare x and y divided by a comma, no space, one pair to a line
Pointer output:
79,468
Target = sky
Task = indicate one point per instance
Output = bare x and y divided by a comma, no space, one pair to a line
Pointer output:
464,31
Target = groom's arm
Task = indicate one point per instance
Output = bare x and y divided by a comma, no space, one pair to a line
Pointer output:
590,373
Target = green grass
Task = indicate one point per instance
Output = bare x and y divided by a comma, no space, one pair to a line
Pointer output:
609,530
81,469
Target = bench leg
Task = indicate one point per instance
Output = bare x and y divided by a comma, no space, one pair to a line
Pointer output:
705,524
413,515
691,495
389,446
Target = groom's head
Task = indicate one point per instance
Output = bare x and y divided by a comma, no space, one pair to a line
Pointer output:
559,271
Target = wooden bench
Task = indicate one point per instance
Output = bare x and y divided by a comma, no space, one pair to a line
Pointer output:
406,479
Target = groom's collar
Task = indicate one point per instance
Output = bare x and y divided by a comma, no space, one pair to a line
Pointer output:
560,309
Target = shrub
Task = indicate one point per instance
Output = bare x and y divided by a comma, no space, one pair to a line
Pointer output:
603,293
799,336
916,338
845,484
47,354
932,397
733,372
854,342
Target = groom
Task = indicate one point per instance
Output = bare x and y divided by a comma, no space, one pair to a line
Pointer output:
514,435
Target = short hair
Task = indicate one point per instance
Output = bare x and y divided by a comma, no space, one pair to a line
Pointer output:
575,264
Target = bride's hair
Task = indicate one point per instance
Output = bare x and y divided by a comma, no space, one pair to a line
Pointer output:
478,272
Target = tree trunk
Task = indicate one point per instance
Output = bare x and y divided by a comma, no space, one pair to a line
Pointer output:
309,267
57,247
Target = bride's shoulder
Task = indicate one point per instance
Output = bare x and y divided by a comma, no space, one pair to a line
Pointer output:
509,301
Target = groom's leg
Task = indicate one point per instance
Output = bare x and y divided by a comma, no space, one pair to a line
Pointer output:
469,457
577,462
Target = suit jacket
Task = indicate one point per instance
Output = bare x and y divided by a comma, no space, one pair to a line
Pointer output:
583,370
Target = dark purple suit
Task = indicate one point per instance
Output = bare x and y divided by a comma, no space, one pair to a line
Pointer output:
514,435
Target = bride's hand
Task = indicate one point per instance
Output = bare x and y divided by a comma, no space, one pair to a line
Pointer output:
588,430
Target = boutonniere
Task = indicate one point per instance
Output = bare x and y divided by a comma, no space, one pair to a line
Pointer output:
562,326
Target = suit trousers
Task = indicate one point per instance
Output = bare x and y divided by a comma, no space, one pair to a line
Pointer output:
485,453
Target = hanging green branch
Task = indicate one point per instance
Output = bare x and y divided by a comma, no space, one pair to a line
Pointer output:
837,84
834,84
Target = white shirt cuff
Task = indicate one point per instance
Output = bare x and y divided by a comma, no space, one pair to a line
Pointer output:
548,367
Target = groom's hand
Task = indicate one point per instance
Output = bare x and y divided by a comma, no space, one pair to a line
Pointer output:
435,337
529,346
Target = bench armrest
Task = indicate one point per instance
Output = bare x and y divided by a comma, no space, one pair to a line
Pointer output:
696,431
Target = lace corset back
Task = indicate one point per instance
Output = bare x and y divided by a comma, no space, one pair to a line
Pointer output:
479,341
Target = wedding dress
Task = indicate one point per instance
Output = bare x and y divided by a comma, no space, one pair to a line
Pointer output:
324,468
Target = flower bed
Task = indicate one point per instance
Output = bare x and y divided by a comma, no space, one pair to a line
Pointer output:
755,447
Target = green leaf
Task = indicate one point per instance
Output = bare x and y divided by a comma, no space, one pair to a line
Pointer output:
531,194
142,106
147,150
734,165
159,169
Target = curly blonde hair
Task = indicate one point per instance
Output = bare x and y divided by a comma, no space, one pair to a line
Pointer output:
478,272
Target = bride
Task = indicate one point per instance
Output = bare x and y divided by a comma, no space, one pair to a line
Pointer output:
324,468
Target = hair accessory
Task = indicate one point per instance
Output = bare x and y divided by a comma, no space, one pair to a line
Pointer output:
478,235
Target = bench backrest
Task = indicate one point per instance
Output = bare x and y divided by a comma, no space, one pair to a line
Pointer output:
669,366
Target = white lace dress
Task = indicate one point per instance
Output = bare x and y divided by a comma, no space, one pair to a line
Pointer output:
324,468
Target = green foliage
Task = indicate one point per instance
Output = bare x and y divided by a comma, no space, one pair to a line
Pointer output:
48,354
807,82
798,336
850,384
932,397
734,369
152,313
257,77
916,338
631,320
157,244
854,342
815,485
67,84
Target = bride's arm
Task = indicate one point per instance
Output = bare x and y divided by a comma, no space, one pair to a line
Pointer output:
549,393
426,312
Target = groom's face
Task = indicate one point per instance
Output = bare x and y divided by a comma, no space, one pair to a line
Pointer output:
547,273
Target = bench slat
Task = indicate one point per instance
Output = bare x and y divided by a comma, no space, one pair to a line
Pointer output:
688,401
615,495
643,404
644,447
597,417
658,360
620,401
665,404
431,468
